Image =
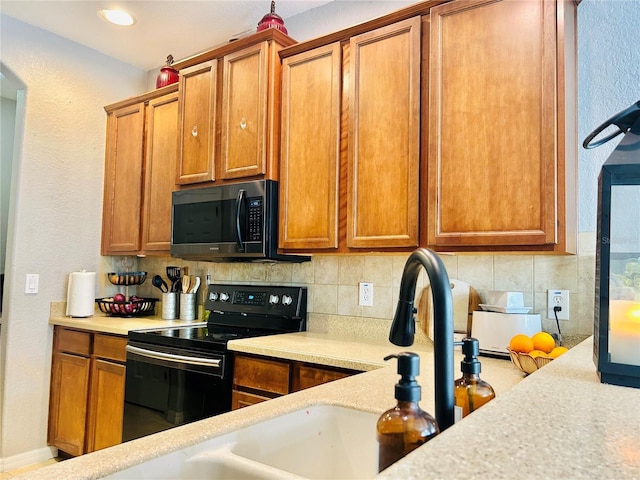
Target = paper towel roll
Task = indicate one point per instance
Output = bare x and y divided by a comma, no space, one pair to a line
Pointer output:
81,294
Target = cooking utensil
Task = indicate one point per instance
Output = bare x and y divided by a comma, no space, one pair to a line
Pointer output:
195,284
186,281
159,283
174,275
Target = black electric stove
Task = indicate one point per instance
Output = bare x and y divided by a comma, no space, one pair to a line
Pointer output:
178,375
234,312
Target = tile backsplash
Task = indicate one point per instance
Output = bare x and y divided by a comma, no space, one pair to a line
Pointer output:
333,281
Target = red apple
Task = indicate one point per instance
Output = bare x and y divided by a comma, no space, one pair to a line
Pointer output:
119,298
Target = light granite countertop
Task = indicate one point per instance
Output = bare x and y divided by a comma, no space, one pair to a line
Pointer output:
559,422
103,323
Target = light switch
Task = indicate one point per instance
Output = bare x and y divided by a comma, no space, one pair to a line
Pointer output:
31,285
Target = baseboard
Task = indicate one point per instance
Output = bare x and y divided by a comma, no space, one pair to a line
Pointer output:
27,458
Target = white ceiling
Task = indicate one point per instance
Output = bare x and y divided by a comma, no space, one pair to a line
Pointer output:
178,27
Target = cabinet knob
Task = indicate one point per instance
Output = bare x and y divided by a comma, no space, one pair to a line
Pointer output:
194,131
243,123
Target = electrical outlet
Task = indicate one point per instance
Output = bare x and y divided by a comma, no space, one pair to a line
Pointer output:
366,294
558,298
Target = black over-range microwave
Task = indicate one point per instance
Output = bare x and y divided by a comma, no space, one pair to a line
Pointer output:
231,222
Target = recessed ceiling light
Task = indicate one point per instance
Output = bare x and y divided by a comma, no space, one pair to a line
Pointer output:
118,17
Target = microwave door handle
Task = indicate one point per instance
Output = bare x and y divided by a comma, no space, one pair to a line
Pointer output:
239,200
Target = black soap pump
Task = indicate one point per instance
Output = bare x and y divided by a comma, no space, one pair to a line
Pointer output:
406,426
470,391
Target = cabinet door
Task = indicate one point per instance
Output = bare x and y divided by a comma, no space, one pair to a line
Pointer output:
310,159
244,112
241,399
492,123
384,137
197,104
122,181
106,404
159,178
68,406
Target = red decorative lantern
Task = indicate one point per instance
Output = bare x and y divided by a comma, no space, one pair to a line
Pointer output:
272,20
167,75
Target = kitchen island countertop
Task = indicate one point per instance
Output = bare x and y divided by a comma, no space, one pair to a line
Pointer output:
559,422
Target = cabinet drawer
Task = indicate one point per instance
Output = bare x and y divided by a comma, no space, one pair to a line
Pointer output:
73,341
110,347
262,374
308,376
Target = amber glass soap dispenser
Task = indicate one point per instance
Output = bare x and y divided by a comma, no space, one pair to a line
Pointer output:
470,391
406,426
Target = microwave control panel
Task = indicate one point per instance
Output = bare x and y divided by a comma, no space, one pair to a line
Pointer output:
255,216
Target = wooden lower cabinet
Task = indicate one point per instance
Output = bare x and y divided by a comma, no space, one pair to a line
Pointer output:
87,391
68,405
256,379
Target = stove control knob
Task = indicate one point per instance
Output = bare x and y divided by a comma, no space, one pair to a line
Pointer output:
224,297
287,300
213,296
273,299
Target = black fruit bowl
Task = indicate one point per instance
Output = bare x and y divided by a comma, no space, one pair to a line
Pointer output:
130,308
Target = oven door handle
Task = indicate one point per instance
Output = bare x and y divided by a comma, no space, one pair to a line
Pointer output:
207,362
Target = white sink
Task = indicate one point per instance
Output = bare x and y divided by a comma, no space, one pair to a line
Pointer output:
320,442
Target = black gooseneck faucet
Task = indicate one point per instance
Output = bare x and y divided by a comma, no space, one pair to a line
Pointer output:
403,326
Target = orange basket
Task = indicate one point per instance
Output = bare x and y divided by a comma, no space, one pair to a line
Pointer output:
526,363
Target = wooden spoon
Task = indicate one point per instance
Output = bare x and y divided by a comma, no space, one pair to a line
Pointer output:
195,285
185,283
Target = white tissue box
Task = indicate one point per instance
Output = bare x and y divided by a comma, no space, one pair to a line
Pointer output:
505,299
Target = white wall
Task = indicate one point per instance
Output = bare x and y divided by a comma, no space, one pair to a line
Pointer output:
7,122
57,213
57,228
608,81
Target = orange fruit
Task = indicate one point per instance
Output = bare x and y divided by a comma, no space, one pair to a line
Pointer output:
537,353
521,343
556,352
543,341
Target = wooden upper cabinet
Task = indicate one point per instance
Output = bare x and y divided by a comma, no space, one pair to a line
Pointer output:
244,112
310,161
230,110
501,165
159,177
384,136
123,173
141,152
197,104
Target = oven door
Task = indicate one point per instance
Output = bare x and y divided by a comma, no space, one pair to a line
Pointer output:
166,387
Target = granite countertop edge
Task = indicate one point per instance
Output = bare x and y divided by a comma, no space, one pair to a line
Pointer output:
532,427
